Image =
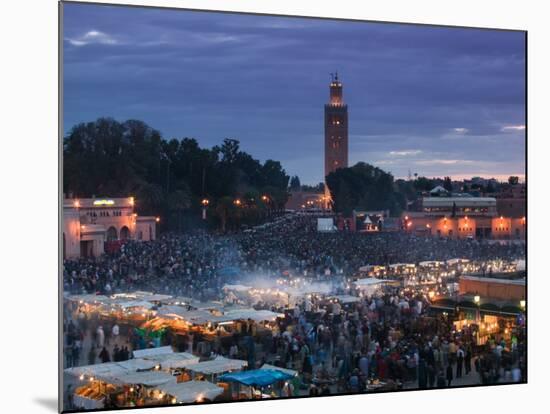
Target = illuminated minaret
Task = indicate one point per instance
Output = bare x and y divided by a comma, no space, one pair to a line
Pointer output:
336,128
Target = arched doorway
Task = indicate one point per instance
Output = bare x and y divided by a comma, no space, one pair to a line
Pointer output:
111,234
124,233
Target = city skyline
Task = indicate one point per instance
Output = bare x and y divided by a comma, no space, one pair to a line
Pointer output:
430,100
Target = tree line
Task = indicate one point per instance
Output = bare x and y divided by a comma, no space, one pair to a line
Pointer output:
171,178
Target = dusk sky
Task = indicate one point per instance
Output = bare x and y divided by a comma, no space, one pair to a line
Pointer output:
429,100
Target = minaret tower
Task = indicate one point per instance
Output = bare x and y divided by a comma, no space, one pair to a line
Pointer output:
336,128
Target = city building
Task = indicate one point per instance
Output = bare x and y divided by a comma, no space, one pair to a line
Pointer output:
336,129
91,223
459,206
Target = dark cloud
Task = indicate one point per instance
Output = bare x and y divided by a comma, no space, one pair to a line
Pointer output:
440,97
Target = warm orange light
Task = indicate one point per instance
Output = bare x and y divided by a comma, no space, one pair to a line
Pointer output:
131,201
265,198
205,202
409,224
157,219
237,202
77,203
466,218
428,226
406,217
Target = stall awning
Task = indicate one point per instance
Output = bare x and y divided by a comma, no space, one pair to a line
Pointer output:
143,353
256,377
237,288
191,391
253,314
345,298
219,365
174,360
283,370
370,281
147,378
103,372
137,364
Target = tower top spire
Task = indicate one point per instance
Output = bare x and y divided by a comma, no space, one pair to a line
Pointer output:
336,96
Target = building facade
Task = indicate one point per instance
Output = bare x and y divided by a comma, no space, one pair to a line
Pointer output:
463,217
90,223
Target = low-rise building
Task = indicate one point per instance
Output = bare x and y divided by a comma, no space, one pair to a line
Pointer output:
89,223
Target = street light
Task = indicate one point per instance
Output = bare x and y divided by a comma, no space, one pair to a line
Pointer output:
477,300
157,219
522,303
237,202
204,203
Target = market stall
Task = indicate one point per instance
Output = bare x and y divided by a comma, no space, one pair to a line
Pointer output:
190,391
255,381
212,369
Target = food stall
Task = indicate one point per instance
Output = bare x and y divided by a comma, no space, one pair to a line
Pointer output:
255,381
213,368
190,391
370,285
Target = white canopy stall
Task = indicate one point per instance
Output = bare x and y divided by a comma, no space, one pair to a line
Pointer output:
191,391
217,366
369,285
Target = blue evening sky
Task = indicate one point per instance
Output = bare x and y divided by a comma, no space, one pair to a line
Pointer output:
430,100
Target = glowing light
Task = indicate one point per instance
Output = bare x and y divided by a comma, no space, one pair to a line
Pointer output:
205,202
131,201
477,299
200,398
237,202
81,377
104,202
157,219
76,203
522,304
174,400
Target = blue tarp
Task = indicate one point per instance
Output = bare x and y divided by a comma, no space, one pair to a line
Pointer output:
256,377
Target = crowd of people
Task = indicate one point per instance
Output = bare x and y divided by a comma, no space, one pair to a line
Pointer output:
391,338
198,264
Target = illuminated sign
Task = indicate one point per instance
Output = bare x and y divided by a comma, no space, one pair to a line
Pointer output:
104,203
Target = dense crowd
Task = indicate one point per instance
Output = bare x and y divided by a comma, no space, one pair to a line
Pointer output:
198,264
